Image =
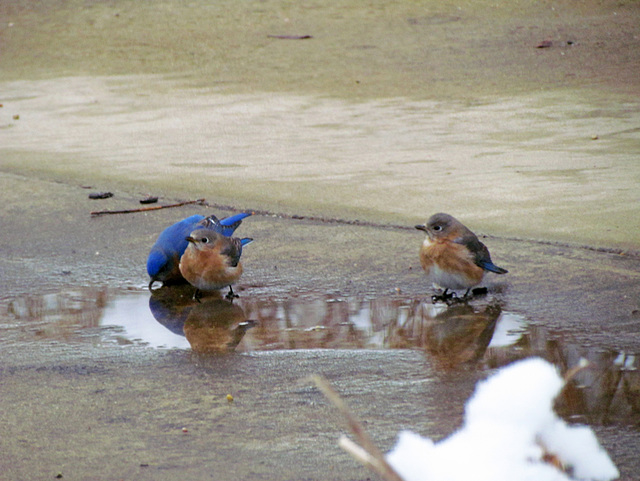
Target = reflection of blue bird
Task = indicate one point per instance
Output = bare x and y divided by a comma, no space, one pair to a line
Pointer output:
164,258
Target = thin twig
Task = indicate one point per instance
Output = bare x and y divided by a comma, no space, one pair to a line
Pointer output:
366,459
368,454
145,209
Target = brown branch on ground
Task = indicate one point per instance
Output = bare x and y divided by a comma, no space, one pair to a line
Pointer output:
145,209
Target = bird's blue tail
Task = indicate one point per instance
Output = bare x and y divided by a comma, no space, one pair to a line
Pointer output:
491,267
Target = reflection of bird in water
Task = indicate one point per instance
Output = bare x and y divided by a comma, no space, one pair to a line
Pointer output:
170,305
164,257
460,335
214,325
452,256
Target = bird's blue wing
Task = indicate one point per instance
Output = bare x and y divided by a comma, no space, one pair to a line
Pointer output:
156,260
234,220
171,244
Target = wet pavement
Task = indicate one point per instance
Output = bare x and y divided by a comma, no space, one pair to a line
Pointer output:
154,385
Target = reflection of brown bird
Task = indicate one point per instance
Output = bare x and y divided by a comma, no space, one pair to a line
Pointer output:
215,326
460,334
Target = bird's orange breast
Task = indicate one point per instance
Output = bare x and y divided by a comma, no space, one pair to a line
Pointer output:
207,269
451,258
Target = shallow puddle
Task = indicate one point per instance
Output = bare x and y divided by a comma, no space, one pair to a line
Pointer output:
455,338
169,318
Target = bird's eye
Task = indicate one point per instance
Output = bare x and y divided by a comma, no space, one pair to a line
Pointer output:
204,240
437,228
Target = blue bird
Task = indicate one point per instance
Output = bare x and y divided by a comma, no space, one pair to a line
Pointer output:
164,258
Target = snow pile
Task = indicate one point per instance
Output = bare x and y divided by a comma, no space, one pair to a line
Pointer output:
510,434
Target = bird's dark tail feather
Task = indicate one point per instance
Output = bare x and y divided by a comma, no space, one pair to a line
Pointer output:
491,267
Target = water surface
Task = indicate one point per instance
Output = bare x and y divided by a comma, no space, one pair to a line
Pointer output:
454,339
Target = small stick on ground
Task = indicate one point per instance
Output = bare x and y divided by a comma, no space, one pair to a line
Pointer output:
368,454
145,209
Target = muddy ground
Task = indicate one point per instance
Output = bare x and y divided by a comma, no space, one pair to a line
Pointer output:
388,113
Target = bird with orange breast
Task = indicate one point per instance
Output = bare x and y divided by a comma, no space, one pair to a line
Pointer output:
452,256
164,257
211,261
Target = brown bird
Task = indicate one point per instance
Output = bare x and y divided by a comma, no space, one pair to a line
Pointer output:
212,261
452,256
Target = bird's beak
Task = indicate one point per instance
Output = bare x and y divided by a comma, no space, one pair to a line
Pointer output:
422,227
190,239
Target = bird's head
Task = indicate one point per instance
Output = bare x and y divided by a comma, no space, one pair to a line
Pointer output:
202,238
440,225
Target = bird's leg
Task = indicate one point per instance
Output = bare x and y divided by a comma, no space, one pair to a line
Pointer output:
231,295
479,291
444,297
197,295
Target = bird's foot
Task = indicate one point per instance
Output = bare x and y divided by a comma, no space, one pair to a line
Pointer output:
446,297
231,295
451,298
